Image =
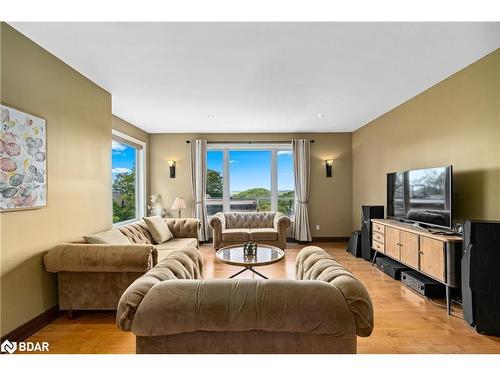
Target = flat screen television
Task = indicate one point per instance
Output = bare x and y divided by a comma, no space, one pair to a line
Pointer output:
421,196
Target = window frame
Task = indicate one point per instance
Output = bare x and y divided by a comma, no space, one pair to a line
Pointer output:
227,147
140,177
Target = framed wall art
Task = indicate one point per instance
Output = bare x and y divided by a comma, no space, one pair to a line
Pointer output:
23,160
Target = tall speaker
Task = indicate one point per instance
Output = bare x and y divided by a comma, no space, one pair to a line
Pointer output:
368,213
481,275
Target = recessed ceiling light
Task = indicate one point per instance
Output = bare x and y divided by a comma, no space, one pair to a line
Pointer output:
211,116
321,115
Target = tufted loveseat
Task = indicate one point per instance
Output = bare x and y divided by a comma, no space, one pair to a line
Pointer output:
94,276
231,228
171,309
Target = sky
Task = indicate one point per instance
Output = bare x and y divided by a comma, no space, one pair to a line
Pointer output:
252,169
123,158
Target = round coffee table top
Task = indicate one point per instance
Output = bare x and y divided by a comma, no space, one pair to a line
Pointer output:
266,254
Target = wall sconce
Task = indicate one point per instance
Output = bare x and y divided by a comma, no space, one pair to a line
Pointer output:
171,164
329,169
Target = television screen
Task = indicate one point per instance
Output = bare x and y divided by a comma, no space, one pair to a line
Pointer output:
421,195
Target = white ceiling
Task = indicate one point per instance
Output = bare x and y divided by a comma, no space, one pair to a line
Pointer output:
262,77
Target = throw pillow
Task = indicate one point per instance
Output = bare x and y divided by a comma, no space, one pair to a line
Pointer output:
112,237
158,228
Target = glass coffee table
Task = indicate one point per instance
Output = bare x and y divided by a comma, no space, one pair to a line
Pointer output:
266,254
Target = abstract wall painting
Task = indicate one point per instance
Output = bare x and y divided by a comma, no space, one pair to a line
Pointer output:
23,160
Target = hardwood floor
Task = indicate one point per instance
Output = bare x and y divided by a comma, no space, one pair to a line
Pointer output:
404,321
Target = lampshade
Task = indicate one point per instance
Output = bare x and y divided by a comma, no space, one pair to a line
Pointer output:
179,204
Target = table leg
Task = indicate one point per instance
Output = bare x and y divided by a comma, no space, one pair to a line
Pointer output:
250,269
237,273
257,273
448,299
374,257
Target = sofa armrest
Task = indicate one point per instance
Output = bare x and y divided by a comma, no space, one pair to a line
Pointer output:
313,263
76,257
218,223
179,306
183,228
183,264
281,223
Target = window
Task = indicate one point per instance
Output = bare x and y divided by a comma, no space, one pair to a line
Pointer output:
127,155
250,178
214,182
286,183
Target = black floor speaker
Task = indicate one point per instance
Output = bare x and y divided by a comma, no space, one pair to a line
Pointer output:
368,213
354,246
481,275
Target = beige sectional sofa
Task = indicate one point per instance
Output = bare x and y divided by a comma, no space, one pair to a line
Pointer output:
230,228
94,276
171,309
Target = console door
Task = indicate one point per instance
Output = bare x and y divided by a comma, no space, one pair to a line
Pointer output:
409,248
432,258
392,242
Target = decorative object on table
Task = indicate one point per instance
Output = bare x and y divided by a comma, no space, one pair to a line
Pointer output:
23,160
171,165
179,205
155,208
250,248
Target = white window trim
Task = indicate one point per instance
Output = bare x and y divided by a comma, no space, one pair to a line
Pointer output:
226,147
140,188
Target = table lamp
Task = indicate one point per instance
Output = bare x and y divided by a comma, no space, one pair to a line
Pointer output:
179,205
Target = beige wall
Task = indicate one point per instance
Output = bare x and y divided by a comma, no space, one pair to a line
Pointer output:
330,199
455,122
133,131
78,115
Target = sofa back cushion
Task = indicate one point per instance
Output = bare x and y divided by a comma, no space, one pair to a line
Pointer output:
235,220
137,233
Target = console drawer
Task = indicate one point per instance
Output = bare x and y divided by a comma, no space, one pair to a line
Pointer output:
379,228
379,237
378,246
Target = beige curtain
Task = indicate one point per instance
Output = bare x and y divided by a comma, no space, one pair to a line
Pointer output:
199,185
301,161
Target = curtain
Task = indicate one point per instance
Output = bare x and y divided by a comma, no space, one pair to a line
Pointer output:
301,163
199,185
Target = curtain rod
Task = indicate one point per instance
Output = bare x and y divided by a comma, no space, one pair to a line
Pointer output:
249,142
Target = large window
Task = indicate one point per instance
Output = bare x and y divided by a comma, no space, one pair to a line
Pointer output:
250,178
127,178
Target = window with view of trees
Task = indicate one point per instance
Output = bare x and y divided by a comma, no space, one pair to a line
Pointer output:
246,178
127,182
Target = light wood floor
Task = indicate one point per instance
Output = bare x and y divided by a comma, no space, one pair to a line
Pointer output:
404,321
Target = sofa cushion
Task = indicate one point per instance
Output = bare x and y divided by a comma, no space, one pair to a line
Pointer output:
177,243
113,237
263,234
158,229
241,234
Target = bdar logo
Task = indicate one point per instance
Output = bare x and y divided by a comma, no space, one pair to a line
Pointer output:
8,347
